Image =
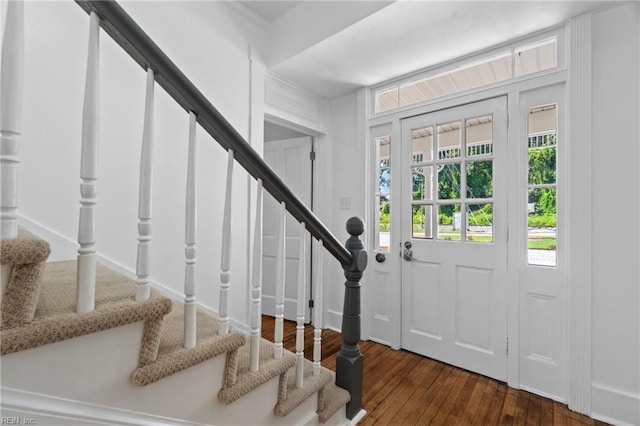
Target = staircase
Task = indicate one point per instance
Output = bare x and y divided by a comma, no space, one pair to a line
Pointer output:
38,309
85,344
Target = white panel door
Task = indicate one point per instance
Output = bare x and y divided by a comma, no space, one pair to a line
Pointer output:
290,159
543,267
454,228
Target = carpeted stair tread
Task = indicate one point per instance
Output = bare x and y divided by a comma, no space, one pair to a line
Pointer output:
55,318
334,398
239,381
25,257
291,396
173,357
59,288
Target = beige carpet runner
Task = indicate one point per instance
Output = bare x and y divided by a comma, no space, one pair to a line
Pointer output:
38,308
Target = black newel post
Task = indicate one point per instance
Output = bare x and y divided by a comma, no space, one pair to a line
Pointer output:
349,363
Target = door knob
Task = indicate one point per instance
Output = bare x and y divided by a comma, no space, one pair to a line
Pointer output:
407,254
380,257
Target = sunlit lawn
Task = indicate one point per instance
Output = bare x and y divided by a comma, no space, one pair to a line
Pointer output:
542,243
533,243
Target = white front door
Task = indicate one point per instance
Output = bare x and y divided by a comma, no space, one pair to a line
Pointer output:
290,159
454,231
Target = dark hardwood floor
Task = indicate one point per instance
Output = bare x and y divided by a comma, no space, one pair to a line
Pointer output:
401,387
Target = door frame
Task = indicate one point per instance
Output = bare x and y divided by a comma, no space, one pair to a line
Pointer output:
574,71
512,92
275,100
290,305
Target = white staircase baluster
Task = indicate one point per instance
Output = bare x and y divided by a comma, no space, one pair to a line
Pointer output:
86,276
143,288
190,241
301,300
225,263
317,307
256,286
281,261
11,114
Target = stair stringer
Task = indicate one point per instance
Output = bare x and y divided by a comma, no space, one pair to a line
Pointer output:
94,370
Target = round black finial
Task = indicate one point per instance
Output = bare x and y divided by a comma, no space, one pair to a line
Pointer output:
355,226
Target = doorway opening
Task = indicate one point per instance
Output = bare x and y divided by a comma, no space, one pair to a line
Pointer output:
290,153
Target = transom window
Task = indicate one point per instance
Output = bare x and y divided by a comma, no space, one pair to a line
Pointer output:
517,61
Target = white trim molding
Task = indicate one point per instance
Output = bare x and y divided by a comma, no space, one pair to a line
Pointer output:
39,407
284,101
614,406
579,193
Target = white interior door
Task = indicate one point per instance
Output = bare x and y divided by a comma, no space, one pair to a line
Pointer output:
290,159
454,228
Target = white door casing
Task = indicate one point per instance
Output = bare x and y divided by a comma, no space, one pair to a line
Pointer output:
454,298
290,159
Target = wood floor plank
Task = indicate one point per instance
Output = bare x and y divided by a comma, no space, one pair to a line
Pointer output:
392,407
477,410
497,396
546,411
400,387
522,406
456,400
508,414
534,417
438,398
472,406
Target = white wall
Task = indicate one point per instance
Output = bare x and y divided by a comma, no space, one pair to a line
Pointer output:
346,166
616,207
210,44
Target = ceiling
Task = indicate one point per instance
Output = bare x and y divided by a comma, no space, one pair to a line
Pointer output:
335,47
271,10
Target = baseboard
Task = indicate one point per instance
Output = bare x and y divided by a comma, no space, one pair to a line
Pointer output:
42,407
333,320
614,406
354,421
543,394
62,248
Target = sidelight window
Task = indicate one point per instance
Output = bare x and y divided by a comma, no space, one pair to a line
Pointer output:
383,193
542,143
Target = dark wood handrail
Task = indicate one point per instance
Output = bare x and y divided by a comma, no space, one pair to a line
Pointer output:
128,34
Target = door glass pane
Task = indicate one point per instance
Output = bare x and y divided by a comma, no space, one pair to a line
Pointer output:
480,223
449,181
421,217
542,165
422,144
479,136
383,185
449,140
542,201
480,179
422,178
542,227
449,222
